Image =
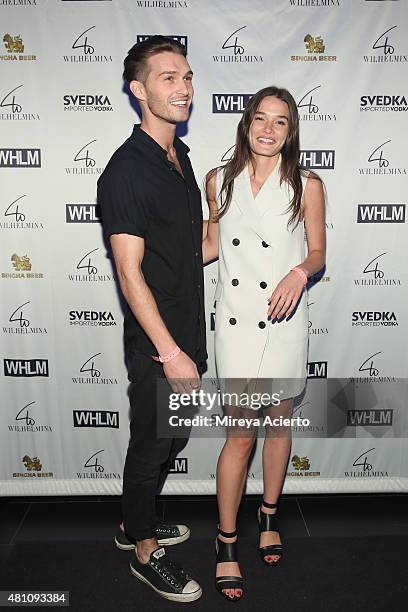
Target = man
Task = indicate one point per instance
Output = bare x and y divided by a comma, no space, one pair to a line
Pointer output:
151,212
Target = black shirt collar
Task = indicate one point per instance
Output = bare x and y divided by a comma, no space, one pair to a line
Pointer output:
151,147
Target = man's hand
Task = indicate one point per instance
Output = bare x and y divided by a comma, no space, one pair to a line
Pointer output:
285,297
182,374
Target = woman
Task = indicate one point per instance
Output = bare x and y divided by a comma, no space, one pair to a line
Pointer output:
261,203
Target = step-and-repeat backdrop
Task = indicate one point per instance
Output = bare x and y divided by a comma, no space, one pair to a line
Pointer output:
63,111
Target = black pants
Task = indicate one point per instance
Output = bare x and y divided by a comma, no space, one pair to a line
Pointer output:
148,457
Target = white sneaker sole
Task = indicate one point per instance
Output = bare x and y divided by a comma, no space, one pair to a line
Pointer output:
161,542
181,597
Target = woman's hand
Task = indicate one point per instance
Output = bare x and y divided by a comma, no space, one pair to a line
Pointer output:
285,296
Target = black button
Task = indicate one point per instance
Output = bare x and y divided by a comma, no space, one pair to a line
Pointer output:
235,282
232,321
235,242
262,324
263,285
264,244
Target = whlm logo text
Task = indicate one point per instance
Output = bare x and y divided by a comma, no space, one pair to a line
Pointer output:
374,318
387,47
235,50
309,107
91,318
25,368
22,268
304,412
180,38
11,106
380,161
377,272
317,160
34,469
88,270
315,47
315,3
371,368
370,418
16,216
179,466
90,374
383,103
20,158
82,213
84,161
85,50
317,369
87,103
364,467
94,467
381,213
301,467
13,49
313,330
26,420
96,418
230,102
21,322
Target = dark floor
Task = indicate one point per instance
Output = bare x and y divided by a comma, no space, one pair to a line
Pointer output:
340,551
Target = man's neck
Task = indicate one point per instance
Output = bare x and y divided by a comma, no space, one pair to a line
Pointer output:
163,133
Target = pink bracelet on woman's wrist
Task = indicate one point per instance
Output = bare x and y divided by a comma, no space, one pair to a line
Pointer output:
301,273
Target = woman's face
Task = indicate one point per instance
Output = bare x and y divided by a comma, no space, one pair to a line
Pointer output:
269,127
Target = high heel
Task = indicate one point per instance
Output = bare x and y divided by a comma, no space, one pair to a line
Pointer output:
227,553
269,522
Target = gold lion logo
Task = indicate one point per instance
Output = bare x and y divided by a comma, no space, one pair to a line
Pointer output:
21,263
13,44
32,465
300,463
314,45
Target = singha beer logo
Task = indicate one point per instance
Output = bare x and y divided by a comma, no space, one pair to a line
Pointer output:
300,463
301,467
33,466
22,268
14,46
20,263
315,47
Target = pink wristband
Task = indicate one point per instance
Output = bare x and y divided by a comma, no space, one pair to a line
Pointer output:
301,273
169,356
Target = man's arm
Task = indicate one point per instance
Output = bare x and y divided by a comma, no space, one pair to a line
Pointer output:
128,252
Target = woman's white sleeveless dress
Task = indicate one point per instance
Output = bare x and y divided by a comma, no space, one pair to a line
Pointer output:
256,250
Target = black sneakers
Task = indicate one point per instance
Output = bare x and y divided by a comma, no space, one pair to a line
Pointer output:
166,577
166,535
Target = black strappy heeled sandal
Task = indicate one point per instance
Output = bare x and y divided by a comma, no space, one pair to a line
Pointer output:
269,522
227,553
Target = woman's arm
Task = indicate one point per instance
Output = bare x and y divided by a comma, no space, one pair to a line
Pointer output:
286,295
210,227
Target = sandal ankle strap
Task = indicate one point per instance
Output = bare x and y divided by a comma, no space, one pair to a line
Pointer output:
226,534
268,505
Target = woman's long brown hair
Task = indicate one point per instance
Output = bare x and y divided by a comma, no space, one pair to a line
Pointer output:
290,170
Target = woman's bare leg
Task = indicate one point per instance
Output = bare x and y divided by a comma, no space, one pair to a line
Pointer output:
275,455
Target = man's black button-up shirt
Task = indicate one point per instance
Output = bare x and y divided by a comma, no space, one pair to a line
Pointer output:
141,193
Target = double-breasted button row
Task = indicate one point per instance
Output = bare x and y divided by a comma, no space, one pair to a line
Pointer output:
261,324
235,283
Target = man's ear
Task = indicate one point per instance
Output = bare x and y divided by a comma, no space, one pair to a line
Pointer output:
138,90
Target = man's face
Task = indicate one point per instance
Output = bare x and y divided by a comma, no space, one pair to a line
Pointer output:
168,86
269,127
